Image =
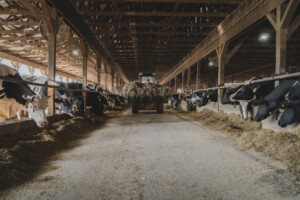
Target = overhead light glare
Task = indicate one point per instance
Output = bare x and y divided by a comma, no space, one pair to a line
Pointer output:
75,52
264,37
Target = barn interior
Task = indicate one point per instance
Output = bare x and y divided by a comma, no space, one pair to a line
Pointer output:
188,45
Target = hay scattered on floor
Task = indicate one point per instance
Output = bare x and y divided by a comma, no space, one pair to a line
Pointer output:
22,156
248,135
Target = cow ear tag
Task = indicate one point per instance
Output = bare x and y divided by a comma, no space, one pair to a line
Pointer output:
234,105
26,105
281,110
254,90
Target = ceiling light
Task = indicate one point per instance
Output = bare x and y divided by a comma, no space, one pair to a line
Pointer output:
75,52
211,63
264,37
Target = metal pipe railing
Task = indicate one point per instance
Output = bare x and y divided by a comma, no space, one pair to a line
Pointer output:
19,81
273,78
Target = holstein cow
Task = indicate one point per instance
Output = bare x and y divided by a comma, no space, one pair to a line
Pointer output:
115,100
63,103
174,101
249,92
20,95
206,96
94,100
69,101
290,108
268,104
227,92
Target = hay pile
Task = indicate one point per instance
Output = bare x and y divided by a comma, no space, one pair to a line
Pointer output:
248,135
21,156
146,92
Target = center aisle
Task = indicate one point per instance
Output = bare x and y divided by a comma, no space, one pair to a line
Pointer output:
151,156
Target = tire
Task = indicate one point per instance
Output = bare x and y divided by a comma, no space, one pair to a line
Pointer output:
160,108
135,108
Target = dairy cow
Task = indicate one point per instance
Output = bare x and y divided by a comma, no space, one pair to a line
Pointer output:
174,101
249,92
94,100
269,104
290,108
64,103
20,95
205,96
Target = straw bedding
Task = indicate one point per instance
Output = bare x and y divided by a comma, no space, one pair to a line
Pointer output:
248,135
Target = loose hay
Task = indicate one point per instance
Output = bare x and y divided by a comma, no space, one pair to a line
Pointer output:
22,156
248,135
146,91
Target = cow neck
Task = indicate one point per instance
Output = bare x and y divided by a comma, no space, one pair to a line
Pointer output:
17,91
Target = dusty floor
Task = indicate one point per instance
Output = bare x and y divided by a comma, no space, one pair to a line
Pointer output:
151,156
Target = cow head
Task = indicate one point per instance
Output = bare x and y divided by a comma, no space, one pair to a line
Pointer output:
66,107
287,117
246,92
36,107
262,112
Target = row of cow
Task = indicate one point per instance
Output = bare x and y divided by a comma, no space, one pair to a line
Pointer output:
34,99
262,99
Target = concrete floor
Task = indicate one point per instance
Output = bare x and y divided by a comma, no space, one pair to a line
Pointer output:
151,156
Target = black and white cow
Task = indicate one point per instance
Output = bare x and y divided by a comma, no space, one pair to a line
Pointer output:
206,96
174,101
94,99
269,104
227,92
290,108
34,104
69,101
61,102
249,92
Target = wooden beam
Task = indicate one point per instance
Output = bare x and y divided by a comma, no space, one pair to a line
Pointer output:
51,24
98,67
84,50
112,81
33,64
198,75
182,81
48,18
226,32
175,84
293,27
221,53
154,14
289,13
73,18
152,24
150,32
188,81
176,1
235,49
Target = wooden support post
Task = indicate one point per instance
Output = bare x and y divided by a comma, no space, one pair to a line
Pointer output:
51,21
98,68
175,84
182,86
188,81
198,71
280,22
221,53
105,82
84,50
112,81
